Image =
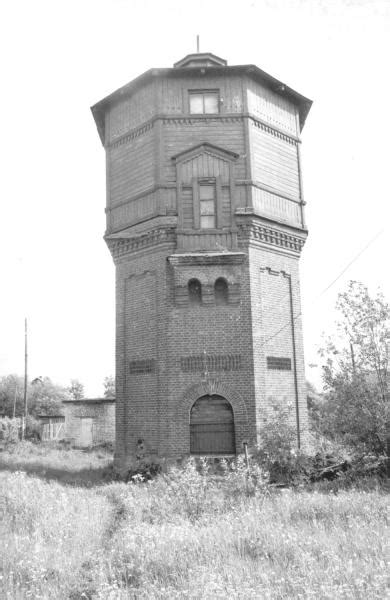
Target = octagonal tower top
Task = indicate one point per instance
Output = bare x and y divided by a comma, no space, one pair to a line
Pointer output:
201,59
205,65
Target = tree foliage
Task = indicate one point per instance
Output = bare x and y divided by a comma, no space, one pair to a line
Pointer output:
43,396
355,373
76,389
109,386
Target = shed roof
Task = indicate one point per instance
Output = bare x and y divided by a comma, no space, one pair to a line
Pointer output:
89,401
51,416
188,66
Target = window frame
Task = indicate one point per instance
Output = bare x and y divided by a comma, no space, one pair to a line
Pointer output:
221,295
194,299
196,184
203,93
209,182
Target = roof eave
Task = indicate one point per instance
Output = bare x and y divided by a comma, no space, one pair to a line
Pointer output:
276,85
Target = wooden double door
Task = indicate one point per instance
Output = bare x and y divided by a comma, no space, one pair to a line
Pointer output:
212,426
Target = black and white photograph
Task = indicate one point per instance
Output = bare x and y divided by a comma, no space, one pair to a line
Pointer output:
195,309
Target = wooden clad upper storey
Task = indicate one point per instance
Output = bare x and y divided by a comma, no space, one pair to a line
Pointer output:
170,133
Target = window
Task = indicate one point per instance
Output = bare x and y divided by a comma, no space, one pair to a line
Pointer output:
207,205
204,102
221,291
195,291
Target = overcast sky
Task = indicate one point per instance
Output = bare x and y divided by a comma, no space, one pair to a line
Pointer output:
60,57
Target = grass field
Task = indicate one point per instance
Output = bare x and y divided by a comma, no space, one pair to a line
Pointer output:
185,535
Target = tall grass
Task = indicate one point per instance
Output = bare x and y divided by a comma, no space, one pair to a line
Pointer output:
52,460
190,535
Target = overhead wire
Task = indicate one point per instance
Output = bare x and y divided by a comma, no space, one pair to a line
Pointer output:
355,258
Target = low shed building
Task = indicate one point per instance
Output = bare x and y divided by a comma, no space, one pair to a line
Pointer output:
90,421
52,427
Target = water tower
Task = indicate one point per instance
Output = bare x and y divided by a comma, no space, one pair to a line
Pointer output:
205,223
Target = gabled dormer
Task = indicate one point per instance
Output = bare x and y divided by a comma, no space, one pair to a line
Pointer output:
205,178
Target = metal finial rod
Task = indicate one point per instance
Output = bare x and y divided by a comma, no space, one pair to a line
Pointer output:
197,44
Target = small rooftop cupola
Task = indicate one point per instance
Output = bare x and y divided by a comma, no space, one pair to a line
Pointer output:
201,59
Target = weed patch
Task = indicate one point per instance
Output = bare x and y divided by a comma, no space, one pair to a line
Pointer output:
191,533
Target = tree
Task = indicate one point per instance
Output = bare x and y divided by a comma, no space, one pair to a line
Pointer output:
11,395
356,406
44,396
76,389
109,386
314,406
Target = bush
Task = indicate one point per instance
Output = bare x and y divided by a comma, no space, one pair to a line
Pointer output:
33,429
277,452
9,430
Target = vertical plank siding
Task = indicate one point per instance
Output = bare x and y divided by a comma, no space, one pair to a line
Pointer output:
226,206
137,172
187,208
53,429
272,205
272,108
204,240
172,94
205,165
275,162
130,113
180,136
135,210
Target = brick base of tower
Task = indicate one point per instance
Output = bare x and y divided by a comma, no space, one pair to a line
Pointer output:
171,352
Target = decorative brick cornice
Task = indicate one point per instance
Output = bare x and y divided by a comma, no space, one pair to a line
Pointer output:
120,247
271,237
207,258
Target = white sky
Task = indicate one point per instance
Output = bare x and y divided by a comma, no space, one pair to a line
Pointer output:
60,57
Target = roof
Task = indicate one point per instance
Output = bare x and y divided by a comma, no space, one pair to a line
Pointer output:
51,417
189,67
205,147
89,401
201,59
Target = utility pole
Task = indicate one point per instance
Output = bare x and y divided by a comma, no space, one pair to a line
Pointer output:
15,395
25,380
352,357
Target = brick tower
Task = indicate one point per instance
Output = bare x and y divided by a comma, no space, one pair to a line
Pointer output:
205,223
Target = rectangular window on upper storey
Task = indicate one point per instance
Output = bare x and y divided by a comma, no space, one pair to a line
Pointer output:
204,102
207,210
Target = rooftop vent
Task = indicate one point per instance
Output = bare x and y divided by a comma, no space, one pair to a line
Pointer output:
201,59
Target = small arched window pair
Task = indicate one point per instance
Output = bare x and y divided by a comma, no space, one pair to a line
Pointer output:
195,291
221,292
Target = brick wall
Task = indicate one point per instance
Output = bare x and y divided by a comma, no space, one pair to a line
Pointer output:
102,413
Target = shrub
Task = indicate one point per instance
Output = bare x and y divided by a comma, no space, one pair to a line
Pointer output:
277,452
33,429
9,430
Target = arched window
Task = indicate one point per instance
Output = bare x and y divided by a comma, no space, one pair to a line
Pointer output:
212,426
221,292
195,291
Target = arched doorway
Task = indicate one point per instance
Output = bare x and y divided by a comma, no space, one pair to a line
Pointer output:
212,426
